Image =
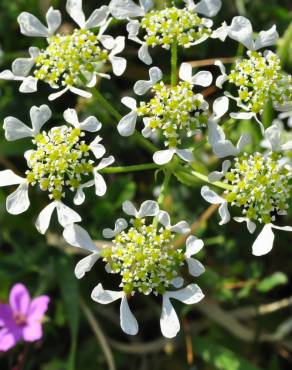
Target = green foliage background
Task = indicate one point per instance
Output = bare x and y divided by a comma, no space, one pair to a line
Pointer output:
227,331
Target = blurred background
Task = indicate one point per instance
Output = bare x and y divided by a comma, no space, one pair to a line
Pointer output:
245,322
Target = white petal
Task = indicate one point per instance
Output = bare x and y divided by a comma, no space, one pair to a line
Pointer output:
100,184
97,149
241,31
266,38
127,124
215,176
163,156
39,116
7,177
146,5
74,9
143,54
202,78
164,219
85,265
220,107
22,66
221,33
105,296
66,215
224,213
185,72
78,237
123,9
129,102
264,242
44,218
107,41
29,85
119,45
216,133
224,148
273,137
191,294
56,95
18,201
210,196
177,282
220,81
82,93
79,197
148,208
209,8
119,65
283,228
181,227
129,208
70,116
242,115
129,323
133,28
15,129
105,162
31,26
244,140
54,20
98,17
251,226
195,267
7,75
193,246
169,322
185,154
120,225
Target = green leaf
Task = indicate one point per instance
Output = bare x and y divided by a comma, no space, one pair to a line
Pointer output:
219,356
271,282
69,292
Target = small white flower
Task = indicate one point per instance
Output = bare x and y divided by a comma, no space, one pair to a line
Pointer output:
143,254
174,111
163,27
60,162
70,62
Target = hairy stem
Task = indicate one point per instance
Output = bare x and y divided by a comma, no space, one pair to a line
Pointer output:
134,168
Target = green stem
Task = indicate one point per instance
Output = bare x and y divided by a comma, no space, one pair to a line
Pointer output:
134,168
164,187
146,144
174,63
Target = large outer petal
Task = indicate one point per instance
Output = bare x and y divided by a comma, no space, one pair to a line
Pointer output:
78,237
31,26
18,202
129,323
123,9
19,299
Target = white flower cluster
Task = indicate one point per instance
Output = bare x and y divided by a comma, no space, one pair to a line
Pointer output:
142,251
143,254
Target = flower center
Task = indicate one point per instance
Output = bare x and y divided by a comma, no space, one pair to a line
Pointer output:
145,258
68,59
162,27
174,110
19,318
61,158
259,79
261,185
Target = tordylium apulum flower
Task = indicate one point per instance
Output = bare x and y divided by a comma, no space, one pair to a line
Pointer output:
143,254
70,61
184,27
61,161
174,112
261,186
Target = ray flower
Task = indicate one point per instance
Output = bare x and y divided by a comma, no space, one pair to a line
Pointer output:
143,254
260,185
184,27
60,162
69,62
173,112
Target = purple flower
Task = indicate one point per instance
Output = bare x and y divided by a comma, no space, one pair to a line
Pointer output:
21,318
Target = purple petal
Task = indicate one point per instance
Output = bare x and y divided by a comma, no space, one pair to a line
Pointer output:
37,308
8,339
32,332
5,315
19,298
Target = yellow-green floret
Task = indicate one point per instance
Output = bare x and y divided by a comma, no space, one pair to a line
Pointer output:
145,258
163,27
70,57
61,160
262,186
